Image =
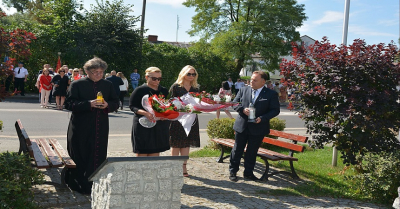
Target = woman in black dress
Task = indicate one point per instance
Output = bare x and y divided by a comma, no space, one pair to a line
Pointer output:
61,83
148,141
87,136
180,142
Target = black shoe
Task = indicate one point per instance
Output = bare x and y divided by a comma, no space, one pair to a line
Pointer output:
251,177
233,177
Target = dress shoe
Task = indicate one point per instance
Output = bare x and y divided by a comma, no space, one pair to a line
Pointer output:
251,177
233,177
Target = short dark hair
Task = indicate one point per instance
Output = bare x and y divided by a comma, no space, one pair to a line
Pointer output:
263,75
95,63
225,85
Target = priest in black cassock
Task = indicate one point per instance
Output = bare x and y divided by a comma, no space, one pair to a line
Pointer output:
87,136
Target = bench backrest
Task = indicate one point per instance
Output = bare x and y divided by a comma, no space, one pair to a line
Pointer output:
23,137
30,146
288,145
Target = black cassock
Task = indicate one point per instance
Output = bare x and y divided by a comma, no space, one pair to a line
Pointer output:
87,136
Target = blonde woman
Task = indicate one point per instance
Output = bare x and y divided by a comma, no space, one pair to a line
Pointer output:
123,89
148,141
179,141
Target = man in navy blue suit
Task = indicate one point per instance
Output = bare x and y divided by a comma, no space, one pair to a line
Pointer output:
266,103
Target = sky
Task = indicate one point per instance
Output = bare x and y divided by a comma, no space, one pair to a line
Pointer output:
375,21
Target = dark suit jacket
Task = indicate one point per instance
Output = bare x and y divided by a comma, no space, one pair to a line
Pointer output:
267,107
116,81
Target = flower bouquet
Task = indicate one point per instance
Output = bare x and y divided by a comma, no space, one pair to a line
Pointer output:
173,109
206,102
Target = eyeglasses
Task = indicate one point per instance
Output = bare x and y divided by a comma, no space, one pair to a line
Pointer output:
192,74
61,71
97,72
155,78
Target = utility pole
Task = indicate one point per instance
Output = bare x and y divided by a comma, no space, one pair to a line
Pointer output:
177,27
141,33
344,42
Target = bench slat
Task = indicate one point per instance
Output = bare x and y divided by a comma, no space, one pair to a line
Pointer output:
53,157
287,145
276,155
41,161
288,136
69,163
271,155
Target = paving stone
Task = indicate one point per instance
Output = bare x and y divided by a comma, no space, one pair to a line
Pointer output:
207,187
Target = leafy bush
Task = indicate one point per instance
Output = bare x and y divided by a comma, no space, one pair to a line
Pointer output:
16,179
223,128
381,178
348,95
245,78
1,125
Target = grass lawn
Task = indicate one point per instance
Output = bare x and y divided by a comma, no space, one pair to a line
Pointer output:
314,165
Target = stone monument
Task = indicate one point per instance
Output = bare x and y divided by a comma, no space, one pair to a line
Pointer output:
138,182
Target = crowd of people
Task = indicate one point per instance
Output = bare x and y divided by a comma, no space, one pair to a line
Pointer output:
87,135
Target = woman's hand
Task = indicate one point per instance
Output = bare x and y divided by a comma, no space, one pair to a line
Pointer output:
149,116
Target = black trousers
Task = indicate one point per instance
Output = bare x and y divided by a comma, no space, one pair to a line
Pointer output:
253,143
19,84
121,98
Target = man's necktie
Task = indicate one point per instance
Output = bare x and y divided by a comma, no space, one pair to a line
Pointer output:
19,70
253,95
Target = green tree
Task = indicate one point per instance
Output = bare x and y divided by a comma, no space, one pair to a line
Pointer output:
108,31
171,59
240,28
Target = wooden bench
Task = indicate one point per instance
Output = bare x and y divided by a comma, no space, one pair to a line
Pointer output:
45,153
266,154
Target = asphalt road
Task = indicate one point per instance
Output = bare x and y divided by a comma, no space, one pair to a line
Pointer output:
52,123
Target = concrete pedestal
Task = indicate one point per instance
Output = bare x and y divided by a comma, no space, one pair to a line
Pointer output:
138,182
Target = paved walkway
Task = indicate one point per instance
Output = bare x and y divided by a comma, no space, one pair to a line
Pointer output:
207,187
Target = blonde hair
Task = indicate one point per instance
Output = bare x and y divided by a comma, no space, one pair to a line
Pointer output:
183,73
152,70
120,74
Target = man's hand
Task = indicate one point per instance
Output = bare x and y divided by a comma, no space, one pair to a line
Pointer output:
258,120
246,111
95,104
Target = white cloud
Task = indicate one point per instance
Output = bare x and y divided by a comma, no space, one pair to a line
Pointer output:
304,28
329,16
368,32
392,22
174,3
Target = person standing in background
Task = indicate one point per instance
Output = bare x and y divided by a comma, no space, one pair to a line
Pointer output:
123,89
224,90
230,82
135,77
45,88
116,81
45,66
20,77
238,85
